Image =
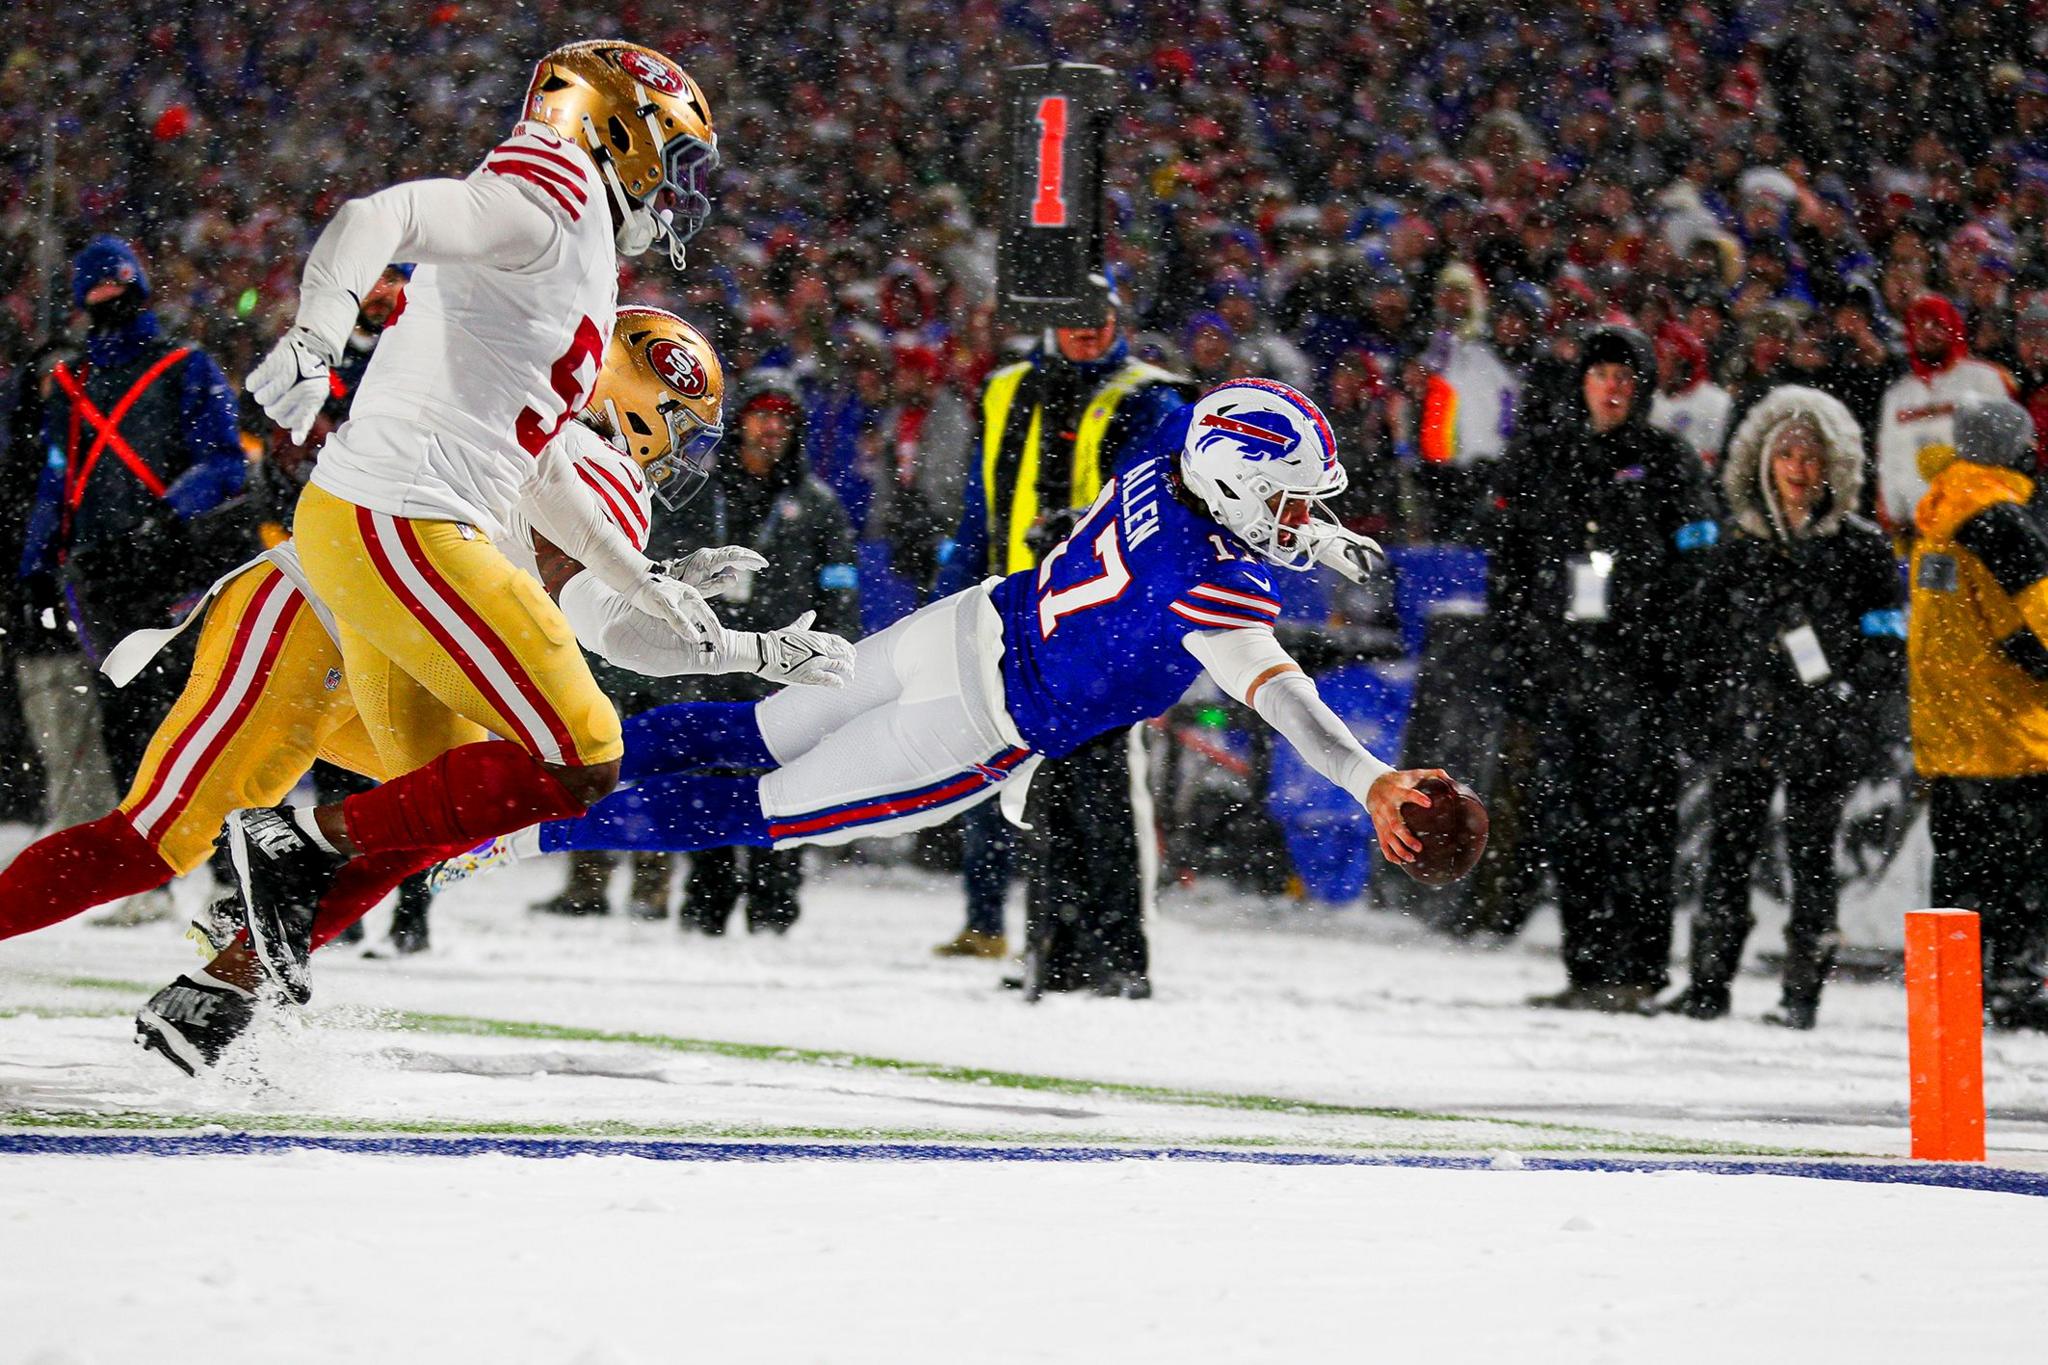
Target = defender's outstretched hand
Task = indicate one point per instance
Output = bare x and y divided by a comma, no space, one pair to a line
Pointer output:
678,605
798,654
715,569
1384,801
291,382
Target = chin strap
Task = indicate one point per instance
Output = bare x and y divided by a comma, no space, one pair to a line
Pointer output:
634,221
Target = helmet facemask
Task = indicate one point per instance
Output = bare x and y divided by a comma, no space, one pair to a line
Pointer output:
684,471
1284,526
676,208
661,391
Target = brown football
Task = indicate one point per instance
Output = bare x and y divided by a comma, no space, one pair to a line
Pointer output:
1452,829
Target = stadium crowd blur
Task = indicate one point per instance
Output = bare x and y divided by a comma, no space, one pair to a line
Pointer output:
1418,213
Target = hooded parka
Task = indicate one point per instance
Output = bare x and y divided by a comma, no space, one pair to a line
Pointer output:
1802,647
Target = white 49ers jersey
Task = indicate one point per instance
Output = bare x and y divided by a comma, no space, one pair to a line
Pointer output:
613,481
497,342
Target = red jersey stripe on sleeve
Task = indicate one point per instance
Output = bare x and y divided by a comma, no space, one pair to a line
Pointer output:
569,169
501,165
1234,599
629,497
613,511
519,155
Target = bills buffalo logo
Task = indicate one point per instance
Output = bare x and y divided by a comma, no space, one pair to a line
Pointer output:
678,369
1257,433
652,71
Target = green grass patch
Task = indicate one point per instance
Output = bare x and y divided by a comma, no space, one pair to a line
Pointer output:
129,1121
1541,1136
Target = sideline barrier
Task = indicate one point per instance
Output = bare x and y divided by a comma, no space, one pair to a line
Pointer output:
1945,1034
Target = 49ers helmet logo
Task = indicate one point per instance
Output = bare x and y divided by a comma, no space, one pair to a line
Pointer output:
651,71
678,369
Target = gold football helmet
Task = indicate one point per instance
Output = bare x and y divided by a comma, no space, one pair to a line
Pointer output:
645,123
663,391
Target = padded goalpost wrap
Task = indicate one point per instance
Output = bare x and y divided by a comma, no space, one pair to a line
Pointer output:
1945,1034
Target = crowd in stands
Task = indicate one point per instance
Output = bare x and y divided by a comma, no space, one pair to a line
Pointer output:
1412,210
1417,212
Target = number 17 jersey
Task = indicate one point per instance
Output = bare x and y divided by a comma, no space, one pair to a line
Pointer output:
1092,636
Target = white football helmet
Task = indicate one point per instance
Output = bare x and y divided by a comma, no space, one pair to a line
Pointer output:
1262,459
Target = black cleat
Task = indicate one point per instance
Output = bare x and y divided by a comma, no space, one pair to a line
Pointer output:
192,1021
280,875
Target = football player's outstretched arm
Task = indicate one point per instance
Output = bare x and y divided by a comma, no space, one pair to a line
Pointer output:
639,617
484,220
626,637
1251,666
567,514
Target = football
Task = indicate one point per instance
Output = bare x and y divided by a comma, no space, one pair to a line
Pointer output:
1452,829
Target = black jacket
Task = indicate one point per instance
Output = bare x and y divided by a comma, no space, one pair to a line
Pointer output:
1634,496
795,522
1837,576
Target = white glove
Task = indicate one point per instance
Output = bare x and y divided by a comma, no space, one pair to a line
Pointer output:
797,654
714,570
1355,556
680,607
291,382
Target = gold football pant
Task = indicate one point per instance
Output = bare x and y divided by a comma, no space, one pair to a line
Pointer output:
444,641
265,697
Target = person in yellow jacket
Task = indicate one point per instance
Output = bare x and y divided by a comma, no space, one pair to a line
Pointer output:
1055,427
1977,654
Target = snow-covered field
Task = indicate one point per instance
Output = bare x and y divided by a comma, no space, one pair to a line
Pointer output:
1276,1032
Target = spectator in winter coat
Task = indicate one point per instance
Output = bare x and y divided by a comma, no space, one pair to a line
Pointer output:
1468,404
174,455
1916,428
1978,657
1800,644
1689,404
2032,334
763,497
922,472
1594,530
1261,349
1211,348
145,431
1864,366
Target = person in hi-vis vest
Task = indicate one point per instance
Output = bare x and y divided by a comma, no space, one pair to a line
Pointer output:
1053,429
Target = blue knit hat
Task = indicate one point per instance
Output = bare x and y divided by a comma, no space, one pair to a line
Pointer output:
106,258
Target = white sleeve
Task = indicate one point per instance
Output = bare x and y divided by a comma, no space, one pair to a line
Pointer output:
484,220
1251,666
626,637
562,508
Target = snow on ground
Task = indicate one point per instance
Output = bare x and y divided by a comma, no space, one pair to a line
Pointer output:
1354,1010
1275,1029
318,1258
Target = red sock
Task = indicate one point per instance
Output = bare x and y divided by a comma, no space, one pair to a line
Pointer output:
464,797
367,880
75,869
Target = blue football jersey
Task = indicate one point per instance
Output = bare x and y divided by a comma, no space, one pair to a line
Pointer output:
1092,636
